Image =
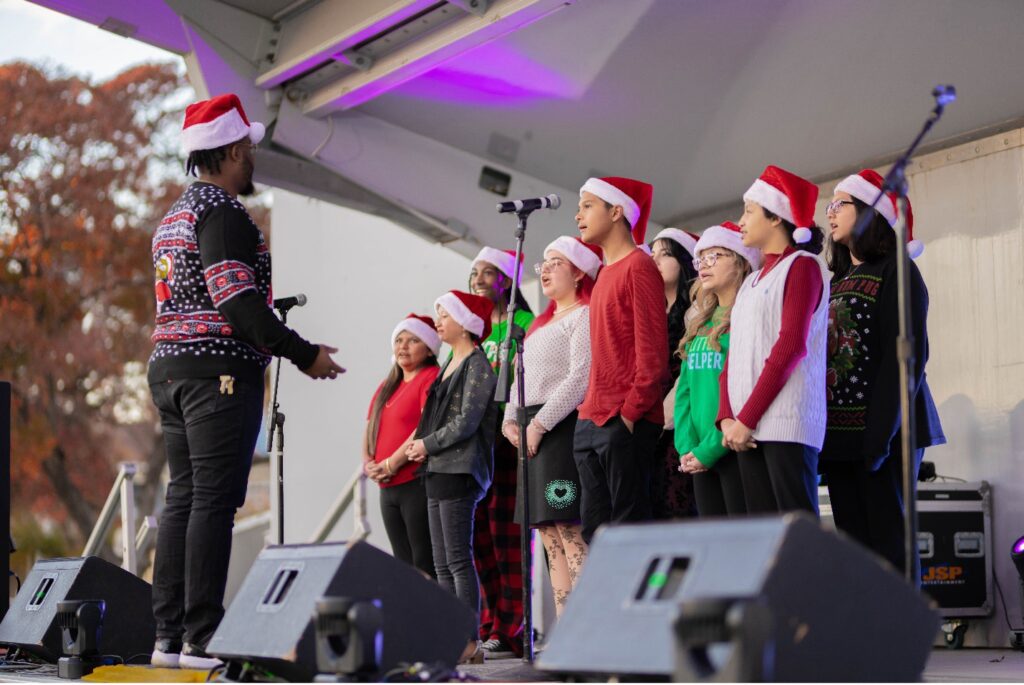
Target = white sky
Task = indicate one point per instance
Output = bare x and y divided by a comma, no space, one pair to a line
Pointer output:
39,35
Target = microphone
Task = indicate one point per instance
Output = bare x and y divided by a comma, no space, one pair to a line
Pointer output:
286,303
547,202
944,94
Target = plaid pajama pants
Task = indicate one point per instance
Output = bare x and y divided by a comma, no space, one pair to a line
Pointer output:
496,547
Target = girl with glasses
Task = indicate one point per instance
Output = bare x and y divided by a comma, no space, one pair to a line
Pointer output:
722,265
557,362
861,459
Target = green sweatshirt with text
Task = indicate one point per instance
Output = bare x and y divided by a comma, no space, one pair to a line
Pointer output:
697,398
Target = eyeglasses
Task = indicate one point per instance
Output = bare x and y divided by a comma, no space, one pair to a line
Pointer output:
547,265
708,260
834,206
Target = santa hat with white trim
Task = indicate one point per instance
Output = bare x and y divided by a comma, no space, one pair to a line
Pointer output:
423,328
472,312
788,196
728,235
633,196
865,186
503,260
685,238
586,258
218,121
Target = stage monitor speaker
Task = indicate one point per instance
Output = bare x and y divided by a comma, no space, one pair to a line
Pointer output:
830,610
271,620
128,627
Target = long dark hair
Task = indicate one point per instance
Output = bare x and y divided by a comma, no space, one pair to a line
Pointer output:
814,245
677,314
387,389
877,240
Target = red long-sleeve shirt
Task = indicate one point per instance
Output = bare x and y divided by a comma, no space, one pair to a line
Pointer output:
629,343
799,300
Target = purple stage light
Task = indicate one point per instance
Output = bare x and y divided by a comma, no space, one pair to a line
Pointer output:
492,75
1018,547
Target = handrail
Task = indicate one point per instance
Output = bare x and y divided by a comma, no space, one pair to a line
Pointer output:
354,491
122,494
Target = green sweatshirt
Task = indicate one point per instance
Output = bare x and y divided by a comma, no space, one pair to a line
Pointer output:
697,399
491,345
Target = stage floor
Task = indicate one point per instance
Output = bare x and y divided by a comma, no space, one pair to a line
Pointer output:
945,666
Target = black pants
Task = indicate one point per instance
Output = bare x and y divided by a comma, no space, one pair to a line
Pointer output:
615,471
210,436
719,490
451,537
868,505
779,477
404,510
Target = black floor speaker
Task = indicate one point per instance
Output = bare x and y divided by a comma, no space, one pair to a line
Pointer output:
128,627
831,611
270,622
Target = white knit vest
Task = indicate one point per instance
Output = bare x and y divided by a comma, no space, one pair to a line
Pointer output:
798,413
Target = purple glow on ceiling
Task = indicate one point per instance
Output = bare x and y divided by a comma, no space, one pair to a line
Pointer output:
491,75
1018,547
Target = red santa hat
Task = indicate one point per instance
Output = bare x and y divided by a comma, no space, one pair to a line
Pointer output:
586,258
728,235
503,260
633,196
472,312
218,121
865,186
786,195
423,328
685,238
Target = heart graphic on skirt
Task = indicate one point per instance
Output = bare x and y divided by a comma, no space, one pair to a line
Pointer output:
560,494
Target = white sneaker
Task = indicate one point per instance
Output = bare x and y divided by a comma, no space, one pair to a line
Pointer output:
166,654
196,658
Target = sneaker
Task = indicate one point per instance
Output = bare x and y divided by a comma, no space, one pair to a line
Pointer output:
499,648
196,657
166,653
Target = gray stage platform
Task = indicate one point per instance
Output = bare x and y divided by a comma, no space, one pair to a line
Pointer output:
945,666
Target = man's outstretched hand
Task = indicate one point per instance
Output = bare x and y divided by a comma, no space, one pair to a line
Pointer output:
323,366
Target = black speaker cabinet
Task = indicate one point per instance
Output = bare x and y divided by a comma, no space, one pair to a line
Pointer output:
270,621
128,626
834,612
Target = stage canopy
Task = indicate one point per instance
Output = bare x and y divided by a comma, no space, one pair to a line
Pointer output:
410,108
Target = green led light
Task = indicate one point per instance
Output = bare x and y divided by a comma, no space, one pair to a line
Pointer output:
657,580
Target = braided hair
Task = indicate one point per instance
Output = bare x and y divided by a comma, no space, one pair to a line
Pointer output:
208,160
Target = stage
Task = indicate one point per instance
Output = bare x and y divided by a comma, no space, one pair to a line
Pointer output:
945,666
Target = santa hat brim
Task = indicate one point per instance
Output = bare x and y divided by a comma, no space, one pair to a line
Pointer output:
427,334
580,255
458,310
503,261
614,196
226,129
720,236
771,198
867,192
688,242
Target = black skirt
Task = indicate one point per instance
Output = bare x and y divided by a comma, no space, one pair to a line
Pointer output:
554,481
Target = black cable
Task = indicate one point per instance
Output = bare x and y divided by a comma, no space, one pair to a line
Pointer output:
1002,599
136,656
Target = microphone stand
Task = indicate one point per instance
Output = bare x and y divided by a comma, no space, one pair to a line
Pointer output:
275,441
501,394
896,182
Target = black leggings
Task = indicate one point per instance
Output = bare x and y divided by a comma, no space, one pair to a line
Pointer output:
780,477
404,509
719,490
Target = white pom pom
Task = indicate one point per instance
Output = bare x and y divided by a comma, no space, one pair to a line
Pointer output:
802,235
915,248
256,132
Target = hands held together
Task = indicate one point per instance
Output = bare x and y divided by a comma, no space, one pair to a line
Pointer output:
736,436
690,464
534,433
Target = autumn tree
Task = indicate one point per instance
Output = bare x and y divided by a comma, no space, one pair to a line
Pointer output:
86,169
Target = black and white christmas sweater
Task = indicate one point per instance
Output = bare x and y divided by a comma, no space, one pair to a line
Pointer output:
862,377
214,311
